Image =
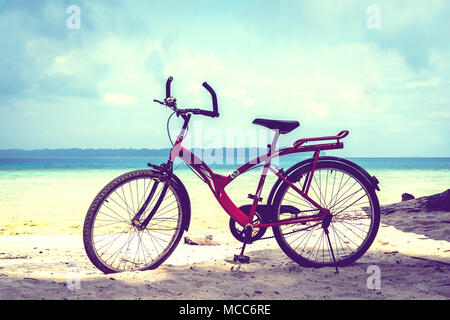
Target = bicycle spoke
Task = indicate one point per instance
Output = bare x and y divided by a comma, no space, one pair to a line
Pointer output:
118,215
127,210
326,188
341,186
332,191
351,229
338,200
343,201
131,197
357,200
126,202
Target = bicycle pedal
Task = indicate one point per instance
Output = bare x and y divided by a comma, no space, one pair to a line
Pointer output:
241,258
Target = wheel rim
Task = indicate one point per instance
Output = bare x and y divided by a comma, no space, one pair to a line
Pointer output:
121,246
352,208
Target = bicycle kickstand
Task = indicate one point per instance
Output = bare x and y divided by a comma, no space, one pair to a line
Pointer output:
331,249
241,257
325,224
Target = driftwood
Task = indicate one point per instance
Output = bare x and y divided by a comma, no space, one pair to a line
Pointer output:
206,241
436,202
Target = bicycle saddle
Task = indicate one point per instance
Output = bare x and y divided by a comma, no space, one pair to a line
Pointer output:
281,125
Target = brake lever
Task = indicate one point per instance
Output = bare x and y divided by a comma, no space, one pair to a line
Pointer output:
160,102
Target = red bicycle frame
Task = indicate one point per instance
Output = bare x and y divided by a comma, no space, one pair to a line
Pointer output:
217,182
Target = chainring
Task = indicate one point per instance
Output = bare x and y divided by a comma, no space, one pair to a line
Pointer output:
238,232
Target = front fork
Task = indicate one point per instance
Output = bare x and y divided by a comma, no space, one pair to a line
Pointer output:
166,170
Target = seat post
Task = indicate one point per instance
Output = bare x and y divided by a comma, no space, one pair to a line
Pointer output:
265,169
273,145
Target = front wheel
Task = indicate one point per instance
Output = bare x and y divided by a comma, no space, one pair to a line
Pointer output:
349,197
112,240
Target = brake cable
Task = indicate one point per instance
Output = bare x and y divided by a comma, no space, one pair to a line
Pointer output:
167,127
171,142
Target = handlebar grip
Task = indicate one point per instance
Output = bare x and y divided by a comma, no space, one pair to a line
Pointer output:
215,112
169,80
208,113
343,134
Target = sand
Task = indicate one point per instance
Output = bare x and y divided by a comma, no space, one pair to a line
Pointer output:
412,252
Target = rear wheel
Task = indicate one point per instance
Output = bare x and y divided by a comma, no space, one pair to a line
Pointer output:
352,201
113,243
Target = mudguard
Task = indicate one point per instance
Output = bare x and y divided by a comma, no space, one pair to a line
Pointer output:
372,179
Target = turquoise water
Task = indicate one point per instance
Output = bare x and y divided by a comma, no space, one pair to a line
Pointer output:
108,163
418,176
52,195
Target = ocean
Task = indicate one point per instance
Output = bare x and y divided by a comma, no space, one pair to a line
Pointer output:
48,195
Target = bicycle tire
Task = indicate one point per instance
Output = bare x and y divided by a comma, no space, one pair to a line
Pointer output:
125,204
361,239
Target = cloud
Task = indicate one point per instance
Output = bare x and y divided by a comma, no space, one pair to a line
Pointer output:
119,99
233,93
432,82
70,63
155,65
311,61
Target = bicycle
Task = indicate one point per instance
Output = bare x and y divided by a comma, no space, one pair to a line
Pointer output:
323,211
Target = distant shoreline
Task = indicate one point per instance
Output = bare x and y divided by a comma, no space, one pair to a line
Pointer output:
76,152
154,153
120,153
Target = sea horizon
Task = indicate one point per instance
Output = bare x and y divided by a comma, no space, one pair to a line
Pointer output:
157,152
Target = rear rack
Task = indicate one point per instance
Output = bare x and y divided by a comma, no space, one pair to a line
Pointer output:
299,144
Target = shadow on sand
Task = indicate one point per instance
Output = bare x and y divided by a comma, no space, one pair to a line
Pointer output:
270,275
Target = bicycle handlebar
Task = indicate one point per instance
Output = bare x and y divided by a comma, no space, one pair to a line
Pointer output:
168,82
212,114
215,112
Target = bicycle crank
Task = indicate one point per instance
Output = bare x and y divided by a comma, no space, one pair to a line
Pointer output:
238,232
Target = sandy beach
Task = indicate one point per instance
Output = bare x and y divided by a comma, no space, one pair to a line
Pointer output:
412,252
145,134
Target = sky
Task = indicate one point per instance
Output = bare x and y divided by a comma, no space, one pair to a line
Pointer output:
86,77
